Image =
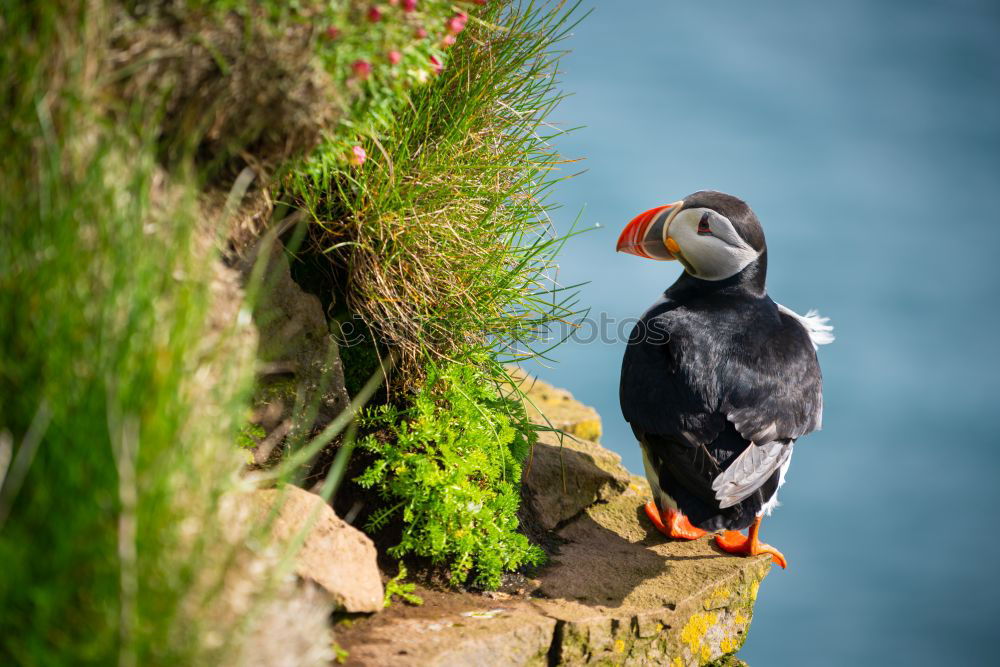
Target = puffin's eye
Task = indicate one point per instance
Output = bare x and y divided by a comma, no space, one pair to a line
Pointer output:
703,227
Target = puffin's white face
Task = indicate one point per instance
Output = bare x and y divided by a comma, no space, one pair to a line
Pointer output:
707,244
704,240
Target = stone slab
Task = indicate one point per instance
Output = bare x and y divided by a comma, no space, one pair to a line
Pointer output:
617,592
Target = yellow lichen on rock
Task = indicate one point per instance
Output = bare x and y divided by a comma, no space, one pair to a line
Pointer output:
718,598
557,408
587,429
694,633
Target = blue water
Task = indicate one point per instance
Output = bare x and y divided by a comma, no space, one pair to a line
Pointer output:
866,136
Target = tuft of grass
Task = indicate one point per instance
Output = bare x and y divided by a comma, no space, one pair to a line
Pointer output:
442,237
449,467
124,374
259,81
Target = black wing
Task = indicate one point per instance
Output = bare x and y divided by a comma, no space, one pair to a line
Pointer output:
664,387
688,371
776,394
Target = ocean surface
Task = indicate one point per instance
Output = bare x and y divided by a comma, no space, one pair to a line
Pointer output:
866,136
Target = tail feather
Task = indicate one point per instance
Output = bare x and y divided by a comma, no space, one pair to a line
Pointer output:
818,327
748,472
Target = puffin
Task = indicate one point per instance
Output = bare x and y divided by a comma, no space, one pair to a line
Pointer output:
718,381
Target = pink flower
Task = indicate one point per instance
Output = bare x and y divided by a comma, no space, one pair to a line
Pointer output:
456,23
421,33
357,156
437,65
361,68
374,14
409,5
394,57
447,41
332,33
479,2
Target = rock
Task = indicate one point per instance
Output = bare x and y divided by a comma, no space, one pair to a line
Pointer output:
622,592
299,357
451,629
336,556
549,406
243,585
616,591
565,476
291,628
729,661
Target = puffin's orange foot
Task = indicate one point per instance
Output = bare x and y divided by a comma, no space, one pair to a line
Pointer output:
672,523
735,542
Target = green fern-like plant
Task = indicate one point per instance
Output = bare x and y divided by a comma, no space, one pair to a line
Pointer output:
399,587
450,472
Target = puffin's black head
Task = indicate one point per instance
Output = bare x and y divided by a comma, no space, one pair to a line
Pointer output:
714,235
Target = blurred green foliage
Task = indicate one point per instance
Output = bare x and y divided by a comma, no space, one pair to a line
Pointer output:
120,398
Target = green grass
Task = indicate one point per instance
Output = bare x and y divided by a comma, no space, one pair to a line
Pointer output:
442,236
123,391
257,82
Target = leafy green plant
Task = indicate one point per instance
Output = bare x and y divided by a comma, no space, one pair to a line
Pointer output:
449,468
398,587
250,436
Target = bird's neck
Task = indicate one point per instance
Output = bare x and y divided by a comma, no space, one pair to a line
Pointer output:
749,282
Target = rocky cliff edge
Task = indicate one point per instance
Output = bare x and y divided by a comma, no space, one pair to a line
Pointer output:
614,592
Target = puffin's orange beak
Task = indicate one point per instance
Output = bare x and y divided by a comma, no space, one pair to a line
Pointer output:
643,236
